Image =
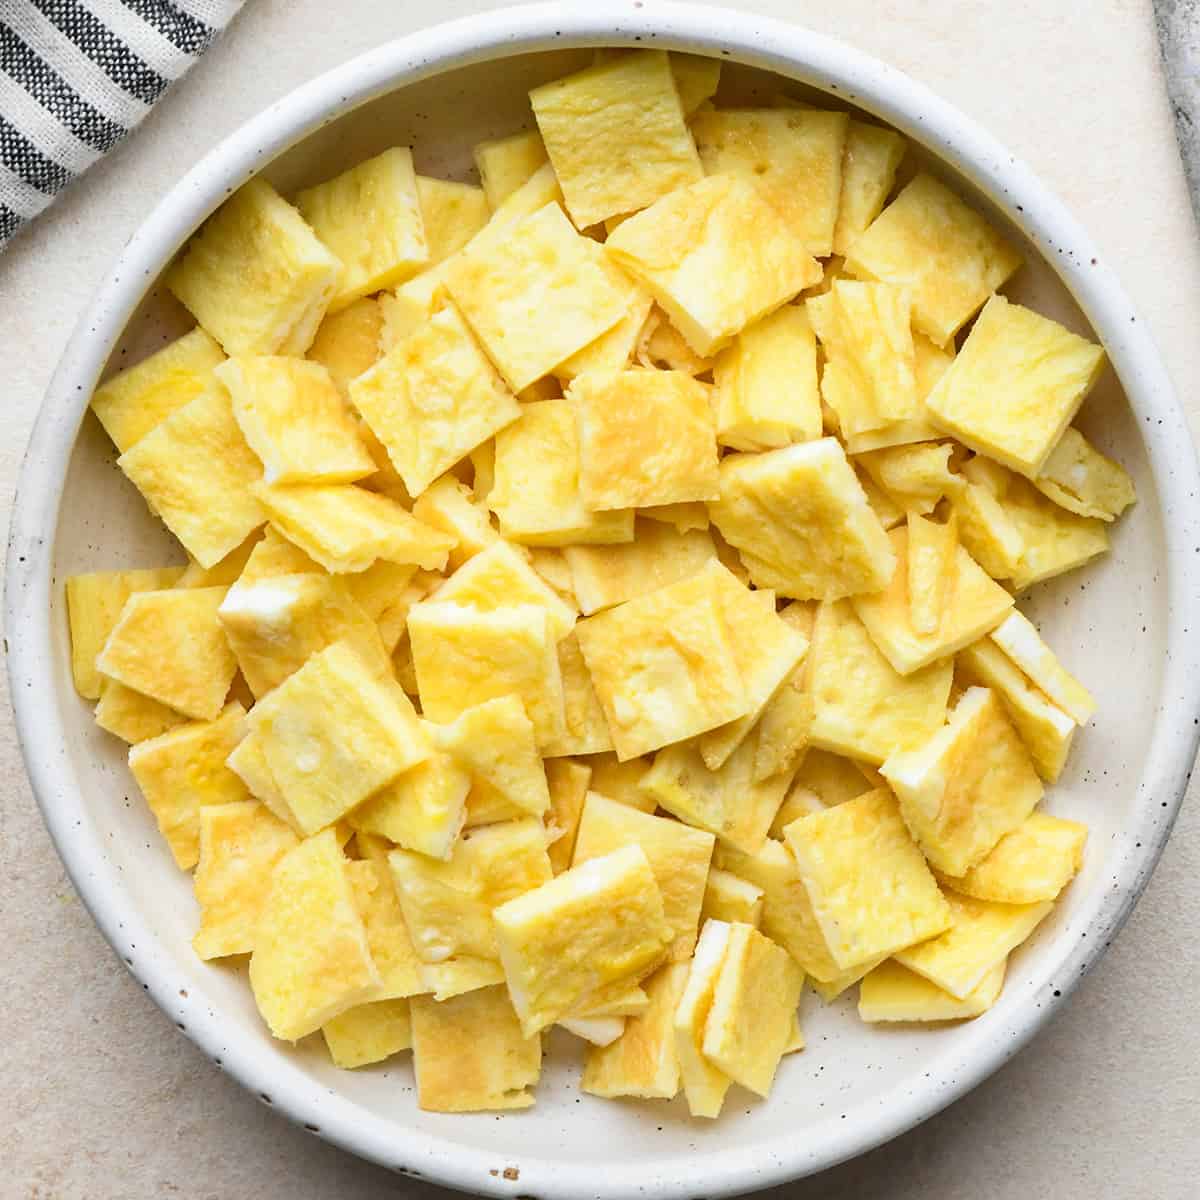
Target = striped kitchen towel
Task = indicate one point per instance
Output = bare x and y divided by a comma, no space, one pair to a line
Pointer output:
76,76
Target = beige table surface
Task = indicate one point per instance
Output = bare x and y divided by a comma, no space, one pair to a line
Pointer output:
99,1095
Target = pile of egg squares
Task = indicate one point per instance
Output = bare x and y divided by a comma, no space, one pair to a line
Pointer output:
591,613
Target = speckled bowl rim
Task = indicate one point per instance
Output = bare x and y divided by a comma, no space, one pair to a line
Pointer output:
740,37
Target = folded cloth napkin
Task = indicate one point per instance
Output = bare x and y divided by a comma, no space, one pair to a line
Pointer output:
76,76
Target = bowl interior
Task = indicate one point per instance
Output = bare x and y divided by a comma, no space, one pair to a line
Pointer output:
849,1071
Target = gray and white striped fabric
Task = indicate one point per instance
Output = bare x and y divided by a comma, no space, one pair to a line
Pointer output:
76,76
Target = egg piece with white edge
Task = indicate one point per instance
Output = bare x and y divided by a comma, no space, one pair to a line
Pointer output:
642,1063
704,1083
679,857
1018,638
967,786
753,1013
599,923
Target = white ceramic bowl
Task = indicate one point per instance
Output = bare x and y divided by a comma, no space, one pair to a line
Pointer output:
1123,625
